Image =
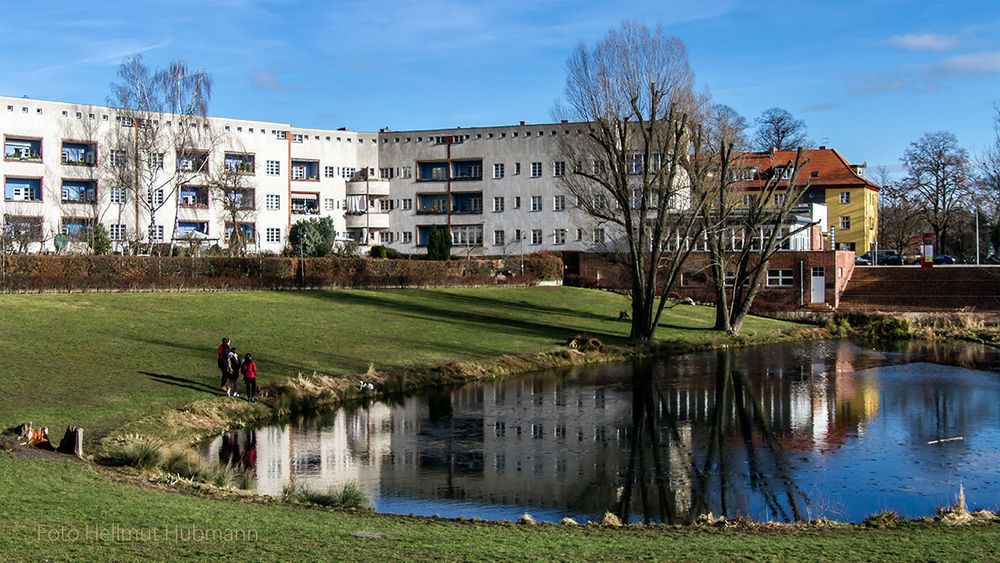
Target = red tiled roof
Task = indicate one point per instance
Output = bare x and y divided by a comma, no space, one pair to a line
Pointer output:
823,168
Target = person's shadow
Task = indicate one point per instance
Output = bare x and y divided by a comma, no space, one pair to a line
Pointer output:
181,382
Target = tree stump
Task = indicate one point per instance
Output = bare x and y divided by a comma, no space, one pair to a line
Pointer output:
72,442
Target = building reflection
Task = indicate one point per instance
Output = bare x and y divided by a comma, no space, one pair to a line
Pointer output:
693,434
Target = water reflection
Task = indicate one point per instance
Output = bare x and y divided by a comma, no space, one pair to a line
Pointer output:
786,432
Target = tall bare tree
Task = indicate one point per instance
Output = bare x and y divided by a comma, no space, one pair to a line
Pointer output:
778,129
938,182
233,191
633,93
989,184
161,137
746,221
899,219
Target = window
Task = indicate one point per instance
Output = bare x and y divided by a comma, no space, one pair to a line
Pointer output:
845,197
117,231
329,172
779,278
498,204
22,149
536,169
296,137
536,203
633,163
467,235
579,235
117,195
517,235
845,223
348,173
559,203
536,236
407,204
498,238
779,199
156,233
155,161
784,172
273,168
242,163
272,201
328,203
79,191
272,235
748,200
155,198
77,228
279,135
558,168
517,168
79,153
598,235
406,172
407,237
498,170
192,196
517,202
119,157
559,236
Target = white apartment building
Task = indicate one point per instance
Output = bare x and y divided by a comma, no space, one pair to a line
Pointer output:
55,179
496,189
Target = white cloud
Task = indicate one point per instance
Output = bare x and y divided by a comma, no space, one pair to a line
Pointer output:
986,62
265,79
925,42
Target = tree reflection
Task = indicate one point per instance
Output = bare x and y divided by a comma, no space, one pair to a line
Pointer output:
667,478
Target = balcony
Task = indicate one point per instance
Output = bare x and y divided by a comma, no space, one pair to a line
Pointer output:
371,187
432,171
305,170
241,163
79,153
77,229
467,203
305,204
375,220
193,196
195,162
22,189
22,149
79,191
432,204
462,170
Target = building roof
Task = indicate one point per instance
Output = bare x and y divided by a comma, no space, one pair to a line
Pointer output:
824,167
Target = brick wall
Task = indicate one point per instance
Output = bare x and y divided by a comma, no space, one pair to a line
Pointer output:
595,271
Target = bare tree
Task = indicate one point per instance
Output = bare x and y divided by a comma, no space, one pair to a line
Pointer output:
232,189
899,219
161,137
778,129
939,181
746,216
632,91
989,185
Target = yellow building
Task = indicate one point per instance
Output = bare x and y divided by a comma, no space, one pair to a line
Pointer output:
850,198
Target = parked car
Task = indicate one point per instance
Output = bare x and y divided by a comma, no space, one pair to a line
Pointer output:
944,259
883,258
862,260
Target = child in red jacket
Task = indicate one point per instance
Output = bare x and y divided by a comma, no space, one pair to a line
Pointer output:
249,370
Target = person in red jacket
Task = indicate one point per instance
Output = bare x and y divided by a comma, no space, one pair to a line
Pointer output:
249,370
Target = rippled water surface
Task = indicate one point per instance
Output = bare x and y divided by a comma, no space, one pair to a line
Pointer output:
827,429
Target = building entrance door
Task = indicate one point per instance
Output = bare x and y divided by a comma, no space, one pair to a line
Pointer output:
818,285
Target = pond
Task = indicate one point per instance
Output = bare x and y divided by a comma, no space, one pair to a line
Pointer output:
786,432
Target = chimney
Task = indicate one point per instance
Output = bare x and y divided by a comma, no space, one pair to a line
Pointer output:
524,123
822,147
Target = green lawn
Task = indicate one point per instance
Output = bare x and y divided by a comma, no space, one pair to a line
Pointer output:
86,359
54,510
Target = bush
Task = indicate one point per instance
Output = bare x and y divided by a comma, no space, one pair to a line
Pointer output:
100,241
349,496
139,454
312,237
439,244
544,265
380,251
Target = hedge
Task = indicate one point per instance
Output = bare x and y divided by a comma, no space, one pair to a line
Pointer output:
131,273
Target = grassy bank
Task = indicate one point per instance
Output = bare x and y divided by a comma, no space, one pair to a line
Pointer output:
46,502
101,361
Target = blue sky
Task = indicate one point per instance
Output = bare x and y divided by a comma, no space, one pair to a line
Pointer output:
868,77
